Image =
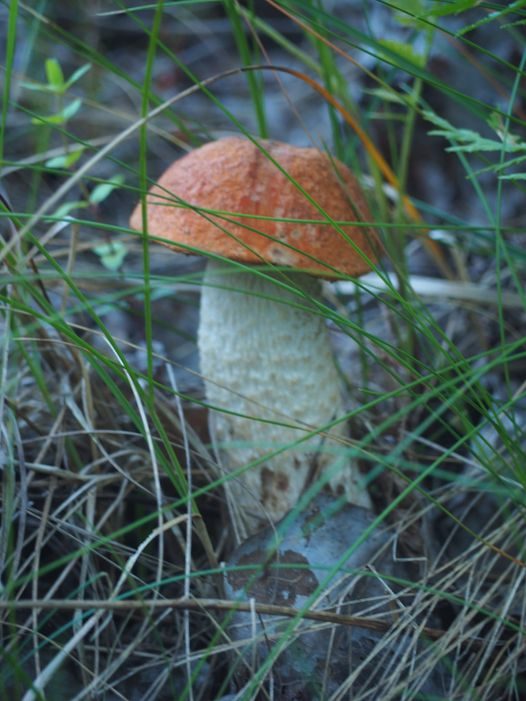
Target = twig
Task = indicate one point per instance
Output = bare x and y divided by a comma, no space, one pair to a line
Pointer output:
219,605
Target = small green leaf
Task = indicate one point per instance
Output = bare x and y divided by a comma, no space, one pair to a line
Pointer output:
452,8
54,74
66,160
56,82
435,119
64,209
51,119
77,75
405,51
513,176
100,192
469,141
509,25
57,162
386,95
409,12
38,87
489,17
71,110
61,117
111,254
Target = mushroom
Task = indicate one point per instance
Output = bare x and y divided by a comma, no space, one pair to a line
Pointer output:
274,391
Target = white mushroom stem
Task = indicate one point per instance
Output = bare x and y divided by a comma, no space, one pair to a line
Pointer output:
270,376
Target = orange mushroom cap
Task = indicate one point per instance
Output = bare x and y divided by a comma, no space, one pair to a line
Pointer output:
233,175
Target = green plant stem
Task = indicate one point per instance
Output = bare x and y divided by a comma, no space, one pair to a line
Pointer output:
8,71
143,179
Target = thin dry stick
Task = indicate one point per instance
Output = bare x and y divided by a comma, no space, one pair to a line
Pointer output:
220,605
